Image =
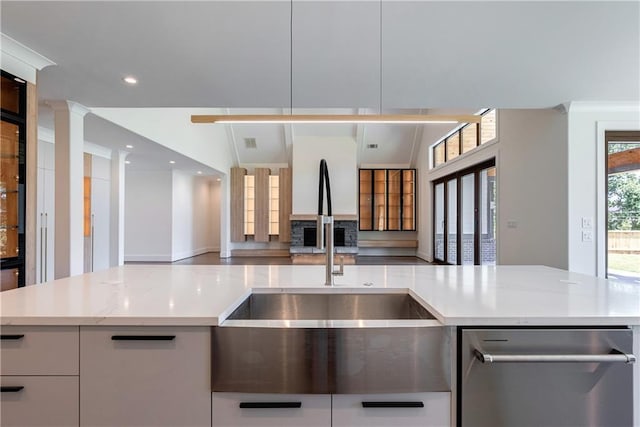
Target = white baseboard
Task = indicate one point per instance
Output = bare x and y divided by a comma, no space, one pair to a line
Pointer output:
424,256
147,258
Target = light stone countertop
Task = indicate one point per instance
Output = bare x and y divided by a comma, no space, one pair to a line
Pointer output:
204,295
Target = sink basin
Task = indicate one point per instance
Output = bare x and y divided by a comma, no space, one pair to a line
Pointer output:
330,341
330,306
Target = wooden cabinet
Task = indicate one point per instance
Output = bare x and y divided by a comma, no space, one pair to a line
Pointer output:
387,200
284,204
145,376
12,176
271,410
40,384
260,205
406,410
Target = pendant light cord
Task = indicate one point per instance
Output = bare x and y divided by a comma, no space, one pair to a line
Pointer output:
291,57
380,110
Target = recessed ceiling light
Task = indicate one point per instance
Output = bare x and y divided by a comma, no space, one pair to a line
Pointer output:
129,146
218,179
172,162
127,162
130,80
199,172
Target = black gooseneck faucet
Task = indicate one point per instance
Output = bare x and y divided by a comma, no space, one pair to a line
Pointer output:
324,226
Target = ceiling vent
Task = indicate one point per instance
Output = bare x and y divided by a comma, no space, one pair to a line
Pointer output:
372,146
250,143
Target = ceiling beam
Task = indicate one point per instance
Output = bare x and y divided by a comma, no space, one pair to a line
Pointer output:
624,161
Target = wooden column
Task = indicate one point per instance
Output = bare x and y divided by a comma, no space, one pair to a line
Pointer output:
262,205
284,205
32,180
237,204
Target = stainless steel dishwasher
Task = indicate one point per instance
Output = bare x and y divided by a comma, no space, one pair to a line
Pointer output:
545,377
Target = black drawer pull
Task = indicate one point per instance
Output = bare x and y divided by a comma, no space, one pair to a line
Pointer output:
11,388
143,337
392,405
11,337
269,405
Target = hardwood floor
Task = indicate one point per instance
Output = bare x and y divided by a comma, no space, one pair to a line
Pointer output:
213,258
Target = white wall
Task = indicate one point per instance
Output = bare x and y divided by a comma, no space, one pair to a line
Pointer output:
148,210
341,156
215,194
182,243
532,190
172,128
586,178
531,160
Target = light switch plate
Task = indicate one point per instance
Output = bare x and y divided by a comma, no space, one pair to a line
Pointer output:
587,222
587,236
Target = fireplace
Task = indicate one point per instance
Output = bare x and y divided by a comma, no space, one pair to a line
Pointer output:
309,236
303,235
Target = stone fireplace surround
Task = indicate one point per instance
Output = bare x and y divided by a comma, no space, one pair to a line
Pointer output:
348,223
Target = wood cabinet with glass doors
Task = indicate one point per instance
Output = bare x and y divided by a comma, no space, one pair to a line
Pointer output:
12,166
387,200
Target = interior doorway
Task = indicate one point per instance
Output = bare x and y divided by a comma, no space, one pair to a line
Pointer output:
623,205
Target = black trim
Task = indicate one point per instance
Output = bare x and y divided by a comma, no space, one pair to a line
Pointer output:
143,337
393,404
11,389
270,405
11,337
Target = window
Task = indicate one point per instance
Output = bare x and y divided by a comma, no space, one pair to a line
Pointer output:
464,213
438,154
453,146
249,205
488,130
274,205
465,138
469,137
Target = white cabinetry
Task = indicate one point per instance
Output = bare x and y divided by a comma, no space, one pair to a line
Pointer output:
39,366
145,376
406,410
338,410
271,410
45,212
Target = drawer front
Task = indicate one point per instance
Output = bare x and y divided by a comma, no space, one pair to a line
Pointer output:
145,376
42,401
39,350
271,410
384,410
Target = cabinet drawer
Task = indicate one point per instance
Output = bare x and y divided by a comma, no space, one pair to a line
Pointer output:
271,410
39,350
42,401
145,376
406,410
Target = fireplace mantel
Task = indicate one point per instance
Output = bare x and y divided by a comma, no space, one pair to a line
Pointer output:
312,217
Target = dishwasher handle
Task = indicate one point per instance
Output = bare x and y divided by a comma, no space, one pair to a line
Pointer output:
613,356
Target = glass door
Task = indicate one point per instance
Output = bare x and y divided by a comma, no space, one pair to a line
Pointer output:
464,213
452,221
438,223
623,210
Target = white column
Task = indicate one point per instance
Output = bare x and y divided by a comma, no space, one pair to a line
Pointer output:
69,189
225,221
116,250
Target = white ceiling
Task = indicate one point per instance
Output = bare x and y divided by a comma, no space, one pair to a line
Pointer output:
336,54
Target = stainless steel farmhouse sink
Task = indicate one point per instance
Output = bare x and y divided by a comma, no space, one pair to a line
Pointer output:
330,306
328,342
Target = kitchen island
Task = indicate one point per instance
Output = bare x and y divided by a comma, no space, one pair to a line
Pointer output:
95,315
